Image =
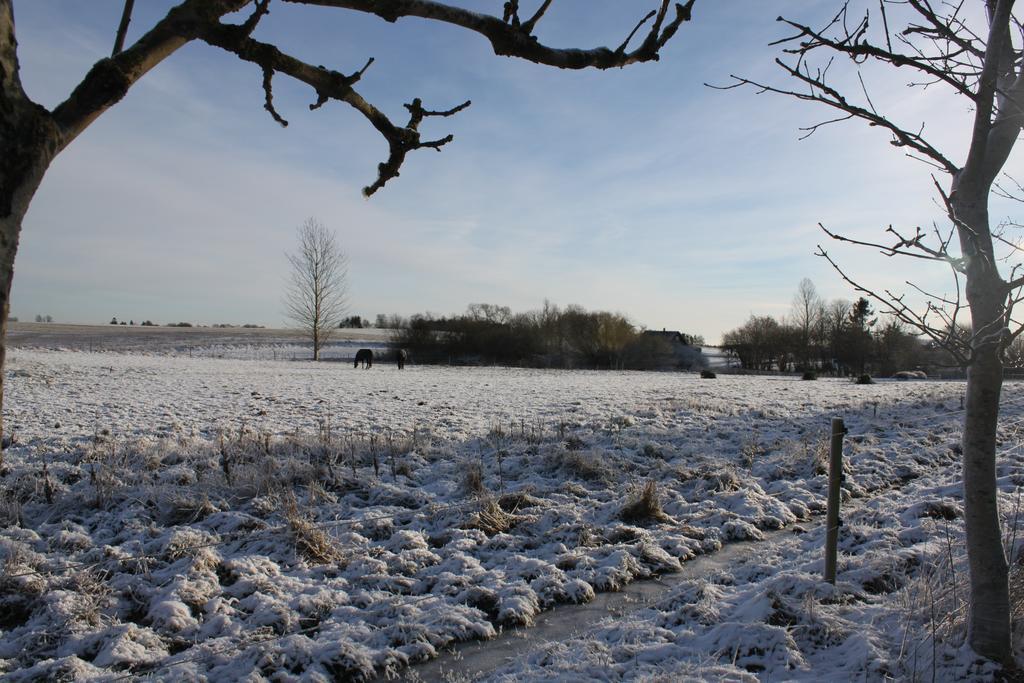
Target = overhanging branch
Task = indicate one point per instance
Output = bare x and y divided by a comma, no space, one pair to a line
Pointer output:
510,39
109,79
331,85
903,247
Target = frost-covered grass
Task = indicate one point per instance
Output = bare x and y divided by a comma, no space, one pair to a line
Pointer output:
219,519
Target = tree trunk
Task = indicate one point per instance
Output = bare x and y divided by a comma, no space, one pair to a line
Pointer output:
989,616
989,624
26,159
29,139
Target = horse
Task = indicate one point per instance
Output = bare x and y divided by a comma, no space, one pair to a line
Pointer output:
364,356
402,356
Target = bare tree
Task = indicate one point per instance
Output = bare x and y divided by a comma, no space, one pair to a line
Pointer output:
968,49
316,299
31,136
832,327
808,310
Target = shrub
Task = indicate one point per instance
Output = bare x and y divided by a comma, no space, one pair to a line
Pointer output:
488,334
708,374
809,375
865,379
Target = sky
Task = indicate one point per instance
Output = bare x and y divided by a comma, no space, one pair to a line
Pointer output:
637,190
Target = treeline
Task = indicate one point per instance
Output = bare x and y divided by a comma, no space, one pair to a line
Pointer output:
554,337
837,337
150,323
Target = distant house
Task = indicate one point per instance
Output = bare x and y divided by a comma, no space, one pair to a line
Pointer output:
687,355
673,337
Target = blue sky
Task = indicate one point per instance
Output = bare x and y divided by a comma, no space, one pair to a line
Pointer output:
637,190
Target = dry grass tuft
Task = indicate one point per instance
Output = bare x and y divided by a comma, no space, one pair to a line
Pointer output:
311,543
645,505
804,457
19,595
182,508
574,443
510,502
473,479
1016,580
720,480
491,519
1012,541
936,598
590,465
10,509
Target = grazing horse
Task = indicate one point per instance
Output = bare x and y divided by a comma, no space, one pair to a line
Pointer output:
402,356
364,356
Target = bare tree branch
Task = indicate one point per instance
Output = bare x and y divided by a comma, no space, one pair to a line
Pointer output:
902,246
952,29
109,79
992,137
330,84
122,29
512,40
1016,194
268,76
855,46
900,310
822,93
531,23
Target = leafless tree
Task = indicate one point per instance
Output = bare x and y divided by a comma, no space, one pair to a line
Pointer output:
31,136
316,299
808,310
973,51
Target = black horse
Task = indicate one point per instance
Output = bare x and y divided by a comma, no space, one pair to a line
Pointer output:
402,356
364,356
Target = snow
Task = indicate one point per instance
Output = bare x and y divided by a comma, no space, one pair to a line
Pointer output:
241,519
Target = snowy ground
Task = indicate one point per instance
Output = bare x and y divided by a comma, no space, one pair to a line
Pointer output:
241,343
216,519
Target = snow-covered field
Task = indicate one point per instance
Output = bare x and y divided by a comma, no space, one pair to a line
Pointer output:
240,343
215,519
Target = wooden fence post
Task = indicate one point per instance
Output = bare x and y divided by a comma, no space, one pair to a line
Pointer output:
835,477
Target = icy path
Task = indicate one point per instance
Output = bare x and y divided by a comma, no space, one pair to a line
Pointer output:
475,660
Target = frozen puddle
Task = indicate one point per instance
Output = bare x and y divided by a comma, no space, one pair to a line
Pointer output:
469,661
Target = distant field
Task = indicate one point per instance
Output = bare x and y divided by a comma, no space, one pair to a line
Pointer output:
229,342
